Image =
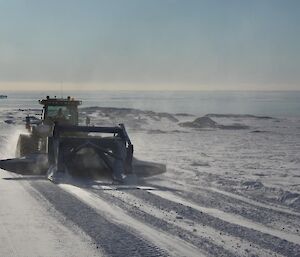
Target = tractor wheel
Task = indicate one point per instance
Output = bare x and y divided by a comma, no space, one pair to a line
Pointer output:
26,145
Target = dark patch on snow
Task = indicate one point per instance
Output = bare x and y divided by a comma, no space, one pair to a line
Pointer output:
199,163
290,199
156,131
30,110
234,126
10,121
258,131
260,174
253,184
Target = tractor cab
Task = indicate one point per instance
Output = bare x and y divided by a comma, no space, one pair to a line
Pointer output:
60,110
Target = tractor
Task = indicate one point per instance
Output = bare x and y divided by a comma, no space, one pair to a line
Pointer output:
56,144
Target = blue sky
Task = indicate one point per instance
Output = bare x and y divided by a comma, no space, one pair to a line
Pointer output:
150,44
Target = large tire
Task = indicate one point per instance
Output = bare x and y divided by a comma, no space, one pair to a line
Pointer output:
27,145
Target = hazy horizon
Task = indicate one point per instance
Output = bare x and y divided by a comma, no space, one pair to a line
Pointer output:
107,89
144,45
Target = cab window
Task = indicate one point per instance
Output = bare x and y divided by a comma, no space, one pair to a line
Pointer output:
56,111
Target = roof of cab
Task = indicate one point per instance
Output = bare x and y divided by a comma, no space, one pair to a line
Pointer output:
60,101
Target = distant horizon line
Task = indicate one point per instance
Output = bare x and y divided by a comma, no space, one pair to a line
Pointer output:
147,90
151,90
42,86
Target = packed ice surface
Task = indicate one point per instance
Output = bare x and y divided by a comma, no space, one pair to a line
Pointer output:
257,156
232,185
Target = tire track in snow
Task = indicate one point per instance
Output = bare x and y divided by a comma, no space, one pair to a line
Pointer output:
204,237
253,202
280,221
273,240
240,213
276,208
176,247
113,239
270,215
27,228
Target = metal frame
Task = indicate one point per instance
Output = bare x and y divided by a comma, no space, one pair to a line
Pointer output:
122,159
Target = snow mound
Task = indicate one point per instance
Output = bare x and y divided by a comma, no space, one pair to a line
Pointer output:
207,122
132,118
202,122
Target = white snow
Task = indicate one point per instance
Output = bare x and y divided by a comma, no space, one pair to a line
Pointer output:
29,227
248,179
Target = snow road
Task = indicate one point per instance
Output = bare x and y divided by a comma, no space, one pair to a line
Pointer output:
39,218
225,193
32,227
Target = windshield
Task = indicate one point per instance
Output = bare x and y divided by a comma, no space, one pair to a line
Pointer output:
57,112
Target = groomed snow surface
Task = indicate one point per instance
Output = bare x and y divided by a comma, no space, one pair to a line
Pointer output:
232,188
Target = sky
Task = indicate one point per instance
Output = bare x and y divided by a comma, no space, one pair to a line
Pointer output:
150,44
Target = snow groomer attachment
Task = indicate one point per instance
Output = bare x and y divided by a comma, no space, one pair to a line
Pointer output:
73,150
57,145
